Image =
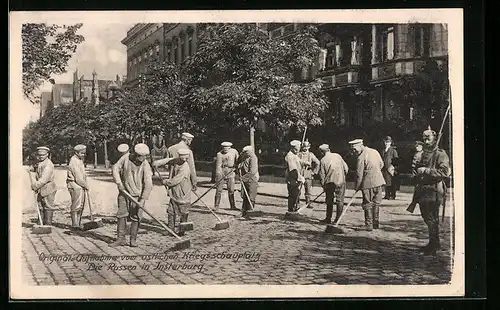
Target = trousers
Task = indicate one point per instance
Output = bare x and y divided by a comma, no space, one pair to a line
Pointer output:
126,208
293,194
77,195
430,214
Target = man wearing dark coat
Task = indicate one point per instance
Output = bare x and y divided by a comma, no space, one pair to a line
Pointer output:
390,157
430,191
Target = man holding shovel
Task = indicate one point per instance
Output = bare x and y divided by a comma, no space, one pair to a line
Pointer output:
369,181
224,166
248,166
42,183
179,188
332,174
76,182
133,174
293,175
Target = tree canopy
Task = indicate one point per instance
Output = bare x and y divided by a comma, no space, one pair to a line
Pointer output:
46,50
239,76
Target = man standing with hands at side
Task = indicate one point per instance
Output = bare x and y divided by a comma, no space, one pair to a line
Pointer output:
76,182
225,166
332,174
310,166
369,181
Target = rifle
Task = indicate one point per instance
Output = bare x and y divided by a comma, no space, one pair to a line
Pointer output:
412,206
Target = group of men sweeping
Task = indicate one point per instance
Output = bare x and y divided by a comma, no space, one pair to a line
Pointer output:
133,176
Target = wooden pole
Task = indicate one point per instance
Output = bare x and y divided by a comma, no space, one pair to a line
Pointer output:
106,161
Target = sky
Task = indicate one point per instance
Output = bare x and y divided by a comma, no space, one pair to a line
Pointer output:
101,51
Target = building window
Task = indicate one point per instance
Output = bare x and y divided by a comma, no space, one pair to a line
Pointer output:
150,51
330,55
386,46
422,41
157,49
183,49
169,54
140,59
190,46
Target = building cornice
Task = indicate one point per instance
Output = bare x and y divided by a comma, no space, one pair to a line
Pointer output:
133,33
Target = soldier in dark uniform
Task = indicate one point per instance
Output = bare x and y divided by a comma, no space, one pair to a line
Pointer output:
390,157
430,190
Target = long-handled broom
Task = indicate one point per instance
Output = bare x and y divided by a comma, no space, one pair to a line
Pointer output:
222,224
310,203
186,226
214,185
94,222
334,228
179,245
40,229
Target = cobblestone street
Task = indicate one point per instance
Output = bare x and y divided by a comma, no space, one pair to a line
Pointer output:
264,250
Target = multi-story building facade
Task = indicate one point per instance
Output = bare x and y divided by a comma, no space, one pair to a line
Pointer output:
144,43
364,65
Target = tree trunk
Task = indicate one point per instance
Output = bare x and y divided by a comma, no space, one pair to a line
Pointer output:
106,160
252,136
95,157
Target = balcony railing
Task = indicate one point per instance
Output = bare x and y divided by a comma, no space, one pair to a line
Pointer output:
341,76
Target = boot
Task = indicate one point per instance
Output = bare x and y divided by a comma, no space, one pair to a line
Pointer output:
329,212
434,243
75,222
338,213
375,214
79,217
184,218
232,202
308,200
48,217
217,201
171,221
368,220
120,232
134,229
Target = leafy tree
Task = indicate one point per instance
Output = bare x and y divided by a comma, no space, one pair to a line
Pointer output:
239,76
46,50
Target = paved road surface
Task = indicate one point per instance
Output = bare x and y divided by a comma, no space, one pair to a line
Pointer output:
265,250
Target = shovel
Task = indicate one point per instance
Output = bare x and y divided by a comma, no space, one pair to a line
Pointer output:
186,226
179,245
39,229
223,224
334,228
94,222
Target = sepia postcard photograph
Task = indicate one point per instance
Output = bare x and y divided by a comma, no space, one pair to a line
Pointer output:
236,154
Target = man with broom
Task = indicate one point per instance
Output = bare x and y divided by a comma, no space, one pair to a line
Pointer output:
332,174
76,182
248,167
133,174
369,181
430,190
42,183
179,188
293,175
173,152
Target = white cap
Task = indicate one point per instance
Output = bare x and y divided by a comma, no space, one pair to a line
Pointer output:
42,149
356,141
324,147
187,135
123,148
248,148
182,152
80,147
141,149
226,144
295,143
